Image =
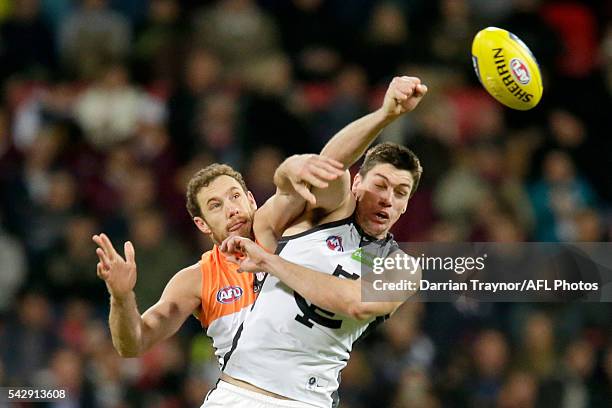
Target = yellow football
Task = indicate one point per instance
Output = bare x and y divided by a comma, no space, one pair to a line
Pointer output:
506,68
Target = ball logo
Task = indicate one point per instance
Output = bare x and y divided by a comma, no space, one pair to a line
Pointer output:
520,71
335,243
229,294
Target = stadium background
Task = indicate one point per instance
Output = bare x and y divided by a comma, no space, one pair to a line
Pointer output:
108,107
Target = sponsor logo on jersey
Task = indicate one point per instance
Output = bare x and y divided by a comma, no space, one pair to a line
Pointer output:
363,257
520,71
229,294
335,243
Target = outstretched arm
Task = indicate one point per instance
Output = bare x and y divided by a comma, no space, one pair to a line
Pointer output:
306,182
402,96
133,334
337,295
347,146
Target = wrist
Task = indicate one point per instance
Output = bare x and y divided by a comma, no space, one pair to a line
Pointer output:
120,300
384,117
271,263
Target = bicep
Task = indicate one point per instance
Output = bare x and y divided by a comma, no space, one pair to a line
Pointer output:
178,300
275,216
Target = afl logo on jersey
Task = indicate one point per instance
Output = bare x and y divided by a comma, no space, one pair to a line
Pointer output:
229,294
335,243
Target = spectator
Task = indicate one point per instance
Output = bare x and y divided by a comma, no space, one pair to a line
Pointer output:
27,42
159,255
201,77
28,341
557,196
111,109
92,35
238,31
14,269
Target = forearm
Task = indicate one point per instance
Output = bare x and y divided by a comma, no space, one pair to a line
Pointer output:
126,326
337,295
348,145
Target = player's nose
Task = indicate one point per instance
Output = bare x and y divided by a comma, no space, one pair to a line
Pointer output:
232,210
384,197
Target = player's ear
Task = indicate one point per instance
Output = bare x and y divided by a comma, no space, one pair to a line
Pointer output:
357,180
202,225
252,200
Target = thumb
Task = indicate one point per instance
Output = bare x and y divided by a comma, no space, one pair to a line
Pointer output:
130,253
306,194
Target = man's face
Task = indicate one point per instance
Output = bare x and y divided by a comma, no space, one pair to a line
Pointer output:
382,196
227,210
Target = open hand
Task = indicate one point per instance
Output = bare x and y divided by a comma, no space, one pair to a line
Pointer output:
118,273
305,170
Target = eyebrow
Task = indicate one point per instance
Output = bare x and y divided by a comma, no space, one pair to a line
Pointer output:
388,181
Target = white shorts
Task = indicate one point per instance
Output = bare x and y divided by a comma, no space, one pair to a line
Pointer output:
227,395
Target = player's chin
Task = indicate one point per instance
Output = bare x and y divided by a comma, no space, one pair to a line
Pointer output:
376,228
243,231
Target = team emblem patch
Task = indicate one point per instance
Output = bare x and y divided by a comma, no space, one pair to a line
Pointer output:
258,281
335,243
229,294
520,71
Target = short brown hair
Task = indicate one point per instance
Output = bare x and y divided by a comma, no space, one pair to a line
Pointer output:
203,178
396,155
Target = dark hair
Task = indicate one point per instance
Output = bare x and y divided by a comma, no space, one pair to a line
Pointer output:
396,155
203,178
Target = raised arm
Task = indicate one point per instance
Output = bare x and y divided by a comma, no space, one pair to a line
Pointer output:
349,144
308,182
402,96
133,334
335,294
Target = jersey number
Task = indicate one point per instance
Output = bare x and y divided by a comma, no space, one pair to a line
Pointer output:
311,311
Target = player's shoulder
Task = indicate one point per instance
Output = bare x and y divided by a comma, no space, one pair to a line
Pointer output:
185,283
190,274
318,219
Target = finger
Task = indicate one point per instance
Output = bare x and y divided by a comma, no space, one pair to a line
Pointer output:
233,259
313,180
420,90
103,258
405,92
102,274
332,170
108,247
232,247
332,162
324,173
130,253
414,80
303,191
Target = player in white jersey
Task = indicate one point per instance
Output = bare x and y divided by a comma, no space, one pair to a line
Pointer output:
298,336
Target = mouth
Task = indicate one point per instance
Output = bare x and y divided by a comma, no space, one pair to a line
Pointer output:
381,217
235,226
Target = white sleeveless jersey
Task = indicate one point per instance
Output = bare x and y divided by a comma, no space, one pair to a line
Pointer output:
291,347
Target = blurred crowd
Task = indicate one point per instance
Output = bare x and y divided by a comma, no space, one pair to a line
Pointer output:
109,106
